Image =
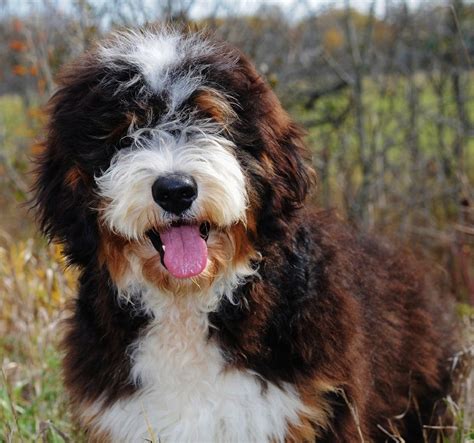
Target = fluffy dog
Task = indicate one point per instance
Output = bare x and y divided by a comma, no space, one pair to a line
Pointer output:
213,304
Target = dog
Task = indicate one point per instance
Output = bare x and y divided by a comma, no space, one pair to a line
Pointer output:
215,303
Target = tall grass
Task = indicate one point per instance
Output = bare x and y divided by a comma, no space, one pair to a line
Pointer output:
34,289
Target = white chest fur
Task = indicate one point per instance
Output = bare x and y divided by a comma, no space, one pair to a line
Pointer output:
186,395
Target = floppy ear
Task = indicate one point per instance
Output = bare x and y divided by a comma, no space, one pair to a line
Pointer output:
285,158
285,177
63,189
62,200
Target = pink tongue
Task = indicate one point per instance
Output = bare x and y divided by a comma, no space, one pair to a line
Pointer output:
185,251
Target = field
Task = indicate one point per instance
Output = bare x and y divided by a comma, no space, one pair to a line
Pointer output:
35,286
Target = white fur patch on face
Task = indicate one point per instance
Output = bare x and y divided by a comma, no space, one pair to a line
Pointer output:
157,55
199,151
185,394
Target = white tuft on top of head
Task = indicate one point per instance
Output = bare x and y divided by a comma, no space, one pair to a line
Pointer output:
157,55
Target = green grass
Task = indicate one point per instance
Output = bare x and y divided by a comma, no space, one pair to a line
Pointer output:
20,123
34,289
33,404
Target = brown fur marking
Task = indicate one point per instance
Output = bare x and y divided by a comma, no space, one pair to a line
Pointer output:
73,177
215,105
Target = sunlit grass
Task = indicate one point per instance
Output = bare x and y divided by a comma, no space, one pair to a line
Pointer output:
34,289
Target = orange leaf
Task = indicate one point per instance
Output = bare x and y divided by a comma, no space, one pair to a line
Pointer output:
19,70
17,45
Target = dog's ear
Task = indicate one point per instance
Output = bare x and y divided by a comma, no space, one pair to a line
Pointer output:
63,204
285,159
63,188
285,176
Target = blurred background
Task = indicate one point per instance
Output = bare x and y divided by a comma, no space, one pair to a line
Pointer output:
384,88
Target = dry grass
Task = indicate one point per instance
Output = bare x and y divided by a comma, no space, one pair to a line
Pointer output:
33,288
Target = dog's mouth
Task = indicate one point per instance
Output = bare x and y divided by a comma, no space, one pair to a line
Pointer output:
182,247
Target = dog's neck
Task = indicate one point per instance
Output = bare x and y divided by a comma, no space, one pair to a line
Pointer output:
184,386
143,297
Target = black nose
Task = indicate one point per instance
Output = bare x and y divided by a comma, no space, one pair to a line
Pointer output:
175,192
